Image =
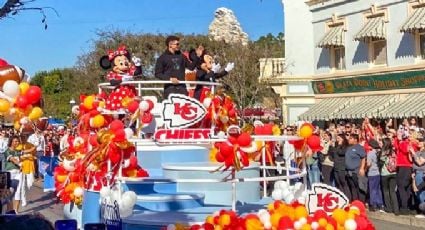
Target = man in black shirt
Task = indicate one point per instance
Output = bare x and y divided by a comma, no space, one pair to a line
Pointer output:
171,66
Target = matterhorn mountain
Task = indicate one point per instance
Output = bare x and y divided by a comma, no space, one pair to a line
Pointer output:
225,27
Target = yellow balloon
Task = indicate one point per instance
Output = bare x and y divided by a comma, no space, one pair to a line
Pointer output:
306,131
98,121
23,87
224,220
88,102
300,212
4,105
16,125
35,113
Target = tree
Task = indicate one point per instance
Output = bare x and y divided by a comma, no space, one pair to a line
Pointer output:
13,7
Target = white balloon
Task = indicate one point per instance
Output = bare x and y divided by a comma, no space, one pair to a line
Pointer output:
105,192
267,225
221,134
350,224
144,106
277,184
303,220
24,121
298,225
69,165
284,185
277,194
314,225
207,102
78,192
132,195
171,227
128,133
11,88
289,198
126,202
115,194
126,212
126,163
301,200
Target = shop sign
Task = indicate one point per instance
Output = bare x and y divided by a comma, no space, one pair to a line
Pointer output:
398,80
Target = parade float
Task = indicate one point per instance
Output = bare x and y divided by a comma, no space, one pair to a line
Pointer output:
137,163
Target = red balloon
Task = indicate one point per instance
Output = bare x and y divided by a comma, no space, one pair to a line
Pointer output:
22,101
244,139
119,135
133,162
133,106
226,150
114,156
314,143
93,141
219,157
150,104
286,223
116,125
298,145
146,118
33,94
3,62
231,113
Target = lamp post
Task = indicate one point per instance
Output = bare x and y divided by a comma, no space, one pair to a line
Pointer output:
71,117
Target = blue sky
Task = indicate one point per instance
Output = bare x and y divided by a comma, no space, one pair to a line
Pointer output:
25,43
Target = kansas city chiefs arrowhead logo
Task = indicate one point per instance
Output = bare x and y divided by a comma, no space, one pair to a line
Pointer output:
326,198
181,111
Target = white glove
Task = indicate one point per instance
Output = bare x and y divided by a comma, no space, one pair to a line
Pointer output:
126,77
216,67
137,61
229,66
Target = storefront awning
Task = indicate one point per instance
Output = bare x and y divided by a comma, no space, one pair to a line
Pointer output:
374,28
367,106
334,37
412,105
325,109
415,22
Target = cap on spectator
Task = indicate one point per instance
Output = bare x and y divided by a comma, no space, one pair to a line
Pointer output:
341,123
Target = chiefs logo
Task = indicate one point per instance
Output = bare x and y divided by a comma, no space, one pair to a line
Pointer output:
326,198
181,111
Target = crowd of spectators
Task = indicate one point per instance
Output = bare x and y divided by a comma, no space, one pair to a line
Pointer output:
373,161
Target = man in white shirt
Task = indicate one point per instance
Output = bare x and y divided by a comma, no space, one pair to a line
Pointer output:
37,139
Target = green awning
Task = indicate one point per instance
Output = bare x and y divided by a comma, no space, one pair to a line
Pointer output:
412,105
367,106
334,37
374,28
415,22
324,109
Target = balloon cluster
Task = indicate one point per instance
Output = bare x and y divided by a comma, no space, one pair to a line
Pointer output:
221,111
289,193
309,144
19,103
126,200
85,162
261,129
122,99
235,152
281,215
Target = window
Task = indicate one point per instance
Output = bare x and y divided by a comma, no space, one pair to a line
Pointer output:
379,52
422,45
339,58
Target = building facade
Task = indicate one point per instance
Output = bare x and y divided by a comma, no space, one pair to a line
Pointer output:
364,58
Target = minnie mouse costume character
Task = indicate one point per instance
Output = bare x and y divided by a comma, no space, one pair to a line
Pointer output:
122,68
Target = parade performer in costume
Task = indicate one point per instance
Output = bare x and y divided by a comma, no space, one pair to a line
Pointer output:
122,68
27,159
209,71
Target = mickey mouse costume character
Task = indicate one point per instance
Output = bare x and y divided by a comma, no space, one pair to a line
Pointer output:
209,71
122,68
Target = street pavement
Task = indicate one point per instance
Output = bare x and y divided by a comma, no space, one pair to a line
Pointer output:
44,203
47,204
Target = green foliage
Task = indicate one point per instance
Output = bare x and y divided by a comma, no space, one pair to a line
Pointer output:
60,85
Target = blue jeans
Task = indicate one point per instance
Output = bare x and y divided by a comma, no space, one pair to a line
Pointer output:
419,178
375,192
313,172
